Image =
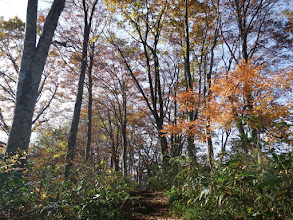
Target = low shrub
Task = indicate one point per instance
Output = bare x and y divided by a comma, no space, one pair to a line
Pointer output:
244,187
43,194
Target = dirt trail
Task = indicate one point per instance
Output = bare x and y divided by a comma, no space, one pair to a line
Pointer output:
146,206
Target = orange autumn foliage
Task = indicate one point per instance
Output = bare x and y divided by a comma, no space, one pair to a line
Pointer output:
189,100
250,92
188,127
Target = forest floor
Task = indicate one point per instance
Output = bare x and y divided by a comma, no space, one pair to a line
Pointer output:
147,206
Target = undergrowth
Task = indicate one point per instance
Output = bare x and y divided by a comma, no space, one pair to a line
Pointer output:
41,192
244,187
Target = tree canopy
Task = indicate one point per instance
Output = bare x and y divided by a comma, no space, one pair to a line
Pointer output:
190,97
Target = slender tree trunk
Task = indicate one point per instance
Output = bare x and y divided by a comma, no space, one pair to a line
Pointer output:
244,27
155,103
224,143
90,103
113,154
189,86
176,143
209,142
164,149
124,132
77,108
210,149
32,65
163,142
114,159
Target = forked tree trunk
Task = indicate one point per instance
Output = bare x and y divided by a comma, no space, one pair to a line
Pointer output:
30,74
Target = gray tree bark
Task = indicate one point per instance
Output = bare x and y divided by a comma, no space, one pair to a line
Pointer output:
32,64
208,133
77,108
123,127
90,103
156,102
189,85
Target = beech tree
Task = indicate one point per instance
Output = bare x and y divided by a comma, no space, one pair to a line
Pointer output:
117,90
189,83
89,11
147,18
11,45
32,64
198,49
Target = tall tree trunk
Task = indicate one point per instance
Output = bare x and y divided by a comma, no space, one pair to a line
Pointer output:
189,86
164,149
209,142
124,154
77,108
114,159
156,94
210,149
30,74
176,143
113,155
124,131
244,28
154,100
90,103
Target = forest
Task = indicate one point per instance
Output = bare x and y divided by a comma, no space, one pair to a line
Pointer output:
147,109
